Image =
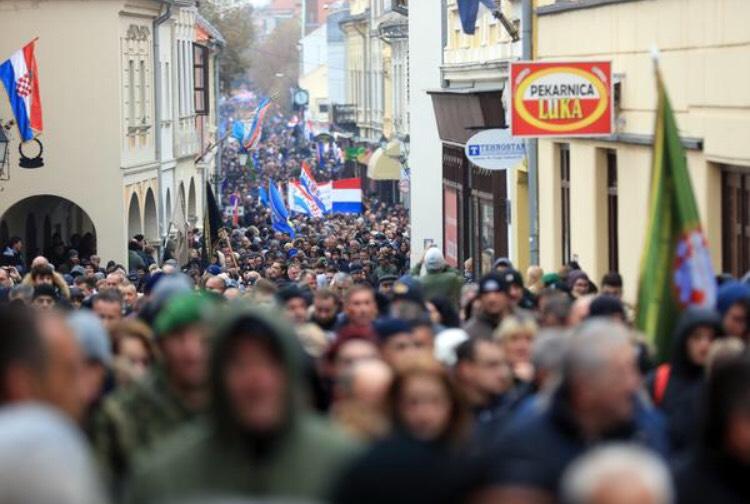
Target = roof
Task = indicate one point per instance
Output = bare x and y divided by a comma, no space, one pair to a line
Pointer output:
210,29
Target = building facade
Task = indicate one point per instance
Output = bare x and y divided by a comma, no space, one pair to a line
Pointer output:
593,193
483,213
115,173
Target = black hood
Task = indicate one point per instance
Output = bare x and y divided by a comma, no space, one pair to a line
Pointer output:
690,319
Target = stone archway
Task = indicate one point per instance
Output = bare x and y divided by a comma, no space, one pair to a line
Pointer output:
191,205
168,207
182,198
134,217
50,222
150,219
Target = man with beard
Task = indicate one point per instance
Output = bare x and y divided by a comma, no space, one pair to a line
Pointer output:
173,393
325,311
258,440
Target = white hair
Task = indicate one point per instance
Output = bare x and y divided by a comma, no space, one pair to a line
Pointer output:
591,346
619,468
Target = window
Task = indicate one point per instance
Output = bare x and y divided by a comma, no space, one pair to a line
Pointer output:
613,244
323,108
564,153
167,83
180,88
142,91
131,94
487,234
200,76
735,217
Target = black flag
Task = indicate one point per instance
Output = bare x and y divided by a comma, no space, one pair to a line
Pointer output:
212,223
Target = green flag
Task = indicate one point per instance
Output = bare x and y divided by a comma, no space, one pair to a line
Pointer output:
676,269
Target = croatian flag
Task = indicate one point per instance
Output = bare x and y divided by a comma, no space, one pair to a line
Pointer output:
21,78
347,196
307,180
300,201
254,132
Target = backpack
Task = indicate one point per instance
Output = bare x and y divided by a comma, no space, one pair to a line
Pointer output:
661,380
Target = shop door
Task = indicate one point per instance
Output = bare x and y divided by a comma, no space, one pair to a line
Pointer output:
735,192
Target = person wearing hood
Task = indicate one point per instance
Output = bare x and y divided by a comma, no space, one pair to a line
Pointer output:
675,387
258,440
578,283
440,280
717,468
733,304
172,393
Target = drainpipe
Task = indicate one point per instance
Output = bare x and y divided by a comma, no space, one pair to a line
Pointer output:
527,49
157,113
217,114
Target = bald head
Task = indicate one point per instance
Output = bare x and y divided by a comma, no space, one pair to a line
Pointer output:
370,381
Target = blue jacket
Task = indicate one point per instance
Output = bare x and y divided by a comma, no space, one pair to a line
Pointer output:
536,447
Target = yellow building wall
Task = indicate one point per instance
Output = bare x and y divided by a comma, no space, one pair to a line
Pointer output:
81,148
702,46
387,92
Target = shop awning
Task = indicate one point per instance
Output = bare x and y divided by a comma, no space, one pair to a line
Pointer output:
385,163
460,114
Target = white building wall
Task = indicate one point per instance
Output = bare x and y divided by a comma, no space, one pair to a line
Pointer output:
314,50
425,156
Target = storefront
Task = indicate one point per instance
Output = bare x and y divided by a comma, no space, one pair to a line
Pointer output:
475,223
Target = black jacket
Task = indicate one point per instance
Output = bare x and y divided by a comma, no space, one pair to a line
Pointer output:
709,477
401,469
681,399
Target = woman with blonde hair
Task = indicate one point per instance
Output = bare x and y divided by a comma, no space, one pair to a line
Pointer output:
516,337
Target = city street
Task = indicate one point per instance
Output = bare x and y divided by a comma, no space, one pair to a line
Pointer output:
374,251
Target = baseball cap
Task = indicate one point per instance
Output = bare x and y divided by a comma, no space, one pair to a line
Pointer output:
513,277
183,310
407,289
387,327
493,282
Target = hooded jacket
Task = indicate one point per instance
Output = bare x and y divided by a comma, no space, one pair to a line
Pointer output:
216,458
686,379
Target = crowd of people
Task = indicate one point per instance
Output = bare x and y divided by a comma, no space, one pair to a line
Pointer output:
325,367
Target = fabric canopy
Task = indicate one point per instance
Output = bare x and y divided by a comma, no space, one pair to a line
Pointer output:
385,163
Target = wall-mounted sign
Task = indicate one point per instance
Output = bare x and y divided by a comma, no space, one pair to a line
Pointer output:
561,98
495,149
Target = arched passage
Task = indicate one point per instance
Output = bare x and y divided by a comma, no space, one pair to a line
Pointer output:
4,233
182,199
60,218
32,250
168,206
191,213
134,217
150,222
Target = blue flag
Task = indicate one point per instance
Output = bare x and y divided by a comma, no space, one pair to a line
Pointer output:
263,196
468,10
238,132
279,215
